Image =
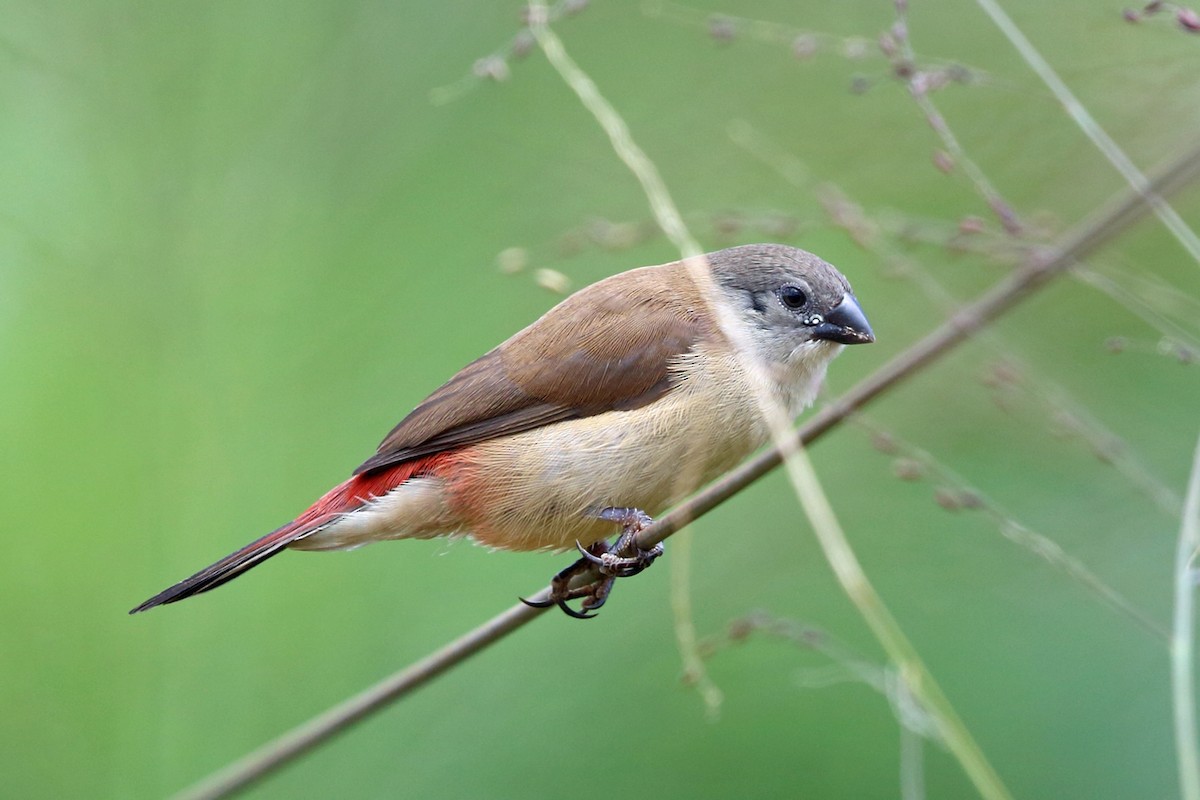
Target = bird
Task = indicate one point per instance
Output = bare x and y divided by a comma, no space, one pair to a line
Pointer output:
617,403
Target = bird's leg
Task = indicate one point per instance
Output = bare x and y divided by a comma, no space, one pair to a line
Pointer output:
622,559
594,593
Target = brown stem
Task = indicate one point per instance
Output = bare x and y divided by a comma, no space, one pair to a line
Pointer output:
1088,237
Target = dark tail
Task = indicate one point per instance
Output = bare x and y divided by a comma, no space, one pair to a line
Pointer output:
234,564
343,498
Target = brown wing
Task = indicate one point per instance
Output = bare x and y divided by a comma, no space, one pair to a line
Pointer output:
606,347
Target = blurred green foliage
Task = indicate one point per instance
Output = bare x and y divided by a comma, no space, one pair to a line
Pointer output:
238,241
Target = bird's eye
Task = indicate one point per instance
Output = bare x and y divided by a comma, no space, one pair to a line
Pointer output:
793,297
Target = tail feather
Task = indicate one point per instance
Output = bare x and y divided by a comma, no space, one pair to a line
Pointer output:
342,499
229,567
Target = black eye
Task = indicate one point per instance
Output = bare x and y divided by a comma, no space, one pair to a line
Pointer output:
793,297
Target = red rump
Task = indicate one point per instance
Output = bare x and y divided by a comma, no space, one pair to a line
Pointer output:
345,497
367,486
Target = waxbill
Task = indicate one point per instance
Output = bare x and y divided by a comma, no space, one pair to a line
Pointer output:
617,403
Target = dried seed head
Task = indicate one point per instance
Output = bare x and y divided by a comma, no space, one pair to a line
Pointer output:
1131,16
722,29
571,243
971,224
885,443
1004,402
614,235
1188,19
552,280
947,499
492,67
622,235
512,260
522,44
888,45
917,84
780,226
959,73
727,224
740,628
1002,374
1008,217
1116,344
804,46
908,469
970,499
646,229
855,48
812,636
535,13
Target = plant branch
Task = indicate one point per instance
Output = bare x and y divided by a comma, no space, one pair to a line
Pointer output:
1083,118
919,88
670,221
1045,264
1085,240
1183,678
836,547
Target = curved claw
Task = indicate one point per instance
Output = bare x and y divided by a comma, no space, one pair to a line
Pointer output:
600,565
594,602
621,566
589,555
570,612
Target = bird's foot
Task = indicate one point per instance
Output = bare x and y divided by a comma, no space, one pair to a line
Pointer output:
621,559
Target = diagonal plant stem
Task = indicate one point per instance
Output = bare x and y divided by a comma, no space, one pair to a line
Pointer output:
919,91
915,676
1086,239
694,671
847,215
1083,118
667,215
1014,531
838,552
913,721
1183,678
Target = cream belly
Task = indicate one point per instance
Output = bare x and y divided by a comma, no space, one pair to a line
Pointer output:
542,489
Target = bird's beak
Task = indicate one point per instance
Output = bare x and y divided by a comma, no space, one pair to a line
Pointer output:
845,324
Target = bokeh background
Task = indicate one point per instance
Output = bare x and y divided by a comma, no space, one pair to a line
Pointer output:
239,240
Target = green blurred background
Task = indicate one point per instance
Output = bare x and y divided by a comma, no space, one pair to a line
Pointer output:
239,240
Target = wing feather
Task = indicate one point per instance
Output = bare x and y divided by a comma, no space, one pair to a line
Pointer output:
608,347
